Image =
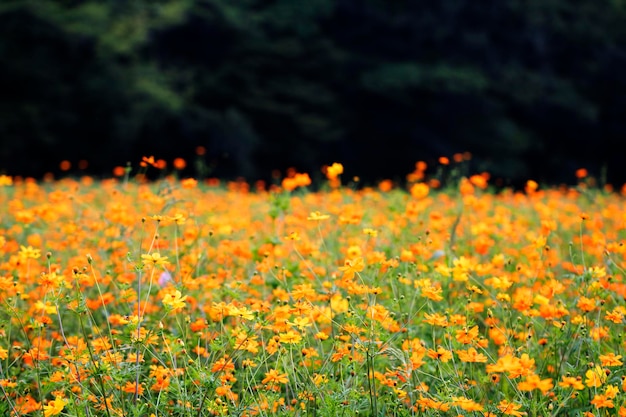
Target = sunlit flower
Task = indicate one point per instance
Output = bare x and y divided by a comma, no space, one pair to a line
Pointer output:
54,407
370,232
595,377
317,216
241,312
154,259
175,301
29,252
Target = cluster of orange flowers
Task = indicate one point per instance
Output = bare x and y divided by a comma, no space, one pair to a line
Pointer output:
178,296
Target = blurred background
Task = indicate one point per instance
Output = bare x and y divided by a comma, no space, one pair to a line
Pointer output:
532,88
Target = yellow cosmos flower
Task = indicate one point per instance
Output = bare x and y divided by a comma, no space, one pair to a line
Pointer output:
54,407
317,216
595,377
243,312
29,252
5,180
174,301
290,337
154,259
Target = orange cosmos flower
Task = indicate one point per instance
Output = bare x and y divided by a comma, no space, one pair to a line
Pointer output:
351,267
274,377
428,403
440,354
225,391
224,364
611,359
145,161
571,382
432,293
479,181
119,171
466,336
471,355
466,187
510,409
436,319
131,387
466,404
533,382
601,401
180,163
302,180
189,183
333,171
385,186
419,190
531,186
586,304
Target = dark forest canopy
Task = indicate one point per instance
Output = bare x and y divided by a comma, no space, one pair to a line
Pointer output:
534,89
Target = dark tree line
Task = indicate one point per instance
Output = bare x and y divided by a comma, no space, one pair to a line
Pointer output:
534,89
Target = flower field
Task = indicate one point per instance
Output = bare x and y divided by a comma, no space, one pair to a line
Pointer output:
188,298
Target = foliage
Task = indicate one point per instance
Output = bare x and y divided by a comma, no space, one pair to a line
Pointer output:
266,85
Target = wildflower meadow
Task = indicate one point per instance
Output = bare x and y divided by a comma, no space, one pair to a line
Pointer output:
185,297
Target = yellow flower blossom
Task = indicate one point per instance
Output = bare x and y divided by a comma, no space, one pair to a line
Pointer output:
174,301
595,377
317,216
29,252
54,407
154,259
